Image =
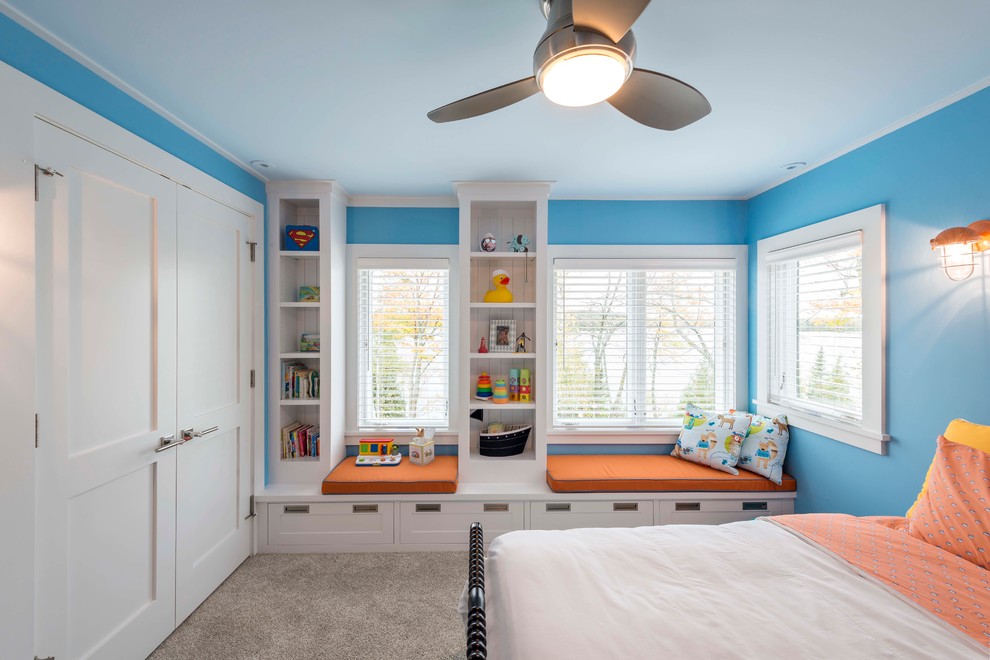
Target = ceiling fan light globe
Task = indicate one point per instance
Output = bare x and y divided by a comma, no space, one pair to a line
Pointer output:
585,77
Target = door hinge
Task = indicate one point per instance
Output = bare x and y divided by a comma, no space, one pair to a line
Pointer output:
35,430
47,171
253,247
252,378
251,513
51,657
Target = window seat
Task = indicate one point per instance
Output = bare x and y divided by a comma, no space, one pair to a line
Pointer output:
347,478
605,473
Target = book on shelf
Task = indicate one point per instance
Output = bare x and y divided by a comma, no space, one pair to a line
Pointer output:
300,381
300,441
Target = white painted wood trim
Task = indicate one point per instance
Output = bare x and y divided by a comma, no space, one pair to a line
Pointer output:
394,201
871,435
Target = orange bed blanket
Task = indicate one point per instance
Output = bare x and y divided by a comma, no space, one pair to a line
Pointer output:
951,588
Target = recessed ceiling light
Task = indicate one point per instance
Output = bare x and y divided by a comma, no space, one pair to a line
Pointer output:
261,165
791,166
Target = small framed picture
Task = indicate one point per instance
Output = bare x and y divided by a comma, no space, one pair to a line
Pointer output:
502,336
309,294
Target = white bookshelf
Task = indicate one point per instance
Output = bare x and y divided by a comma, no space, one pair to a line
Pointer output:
504,210
322,204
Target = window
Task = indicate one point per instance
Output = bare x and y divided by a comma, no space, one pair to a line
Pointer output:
635,340
820,319
403,342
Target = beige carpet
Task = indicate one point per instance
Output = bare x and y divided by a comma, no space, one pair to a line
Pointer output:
327,606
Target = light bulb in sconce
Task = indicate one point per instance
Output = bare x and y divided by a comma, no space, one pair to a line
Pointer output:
957,248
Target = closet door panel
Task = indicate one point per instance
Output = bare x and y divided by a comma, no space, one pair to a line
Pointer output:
106,375
215,289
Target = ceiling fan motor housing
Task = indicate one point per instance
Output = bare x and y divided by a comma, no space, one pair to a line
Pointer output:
561,40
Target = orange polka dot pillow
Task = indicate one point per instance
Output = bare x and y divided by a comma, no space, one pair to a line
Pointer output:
954,511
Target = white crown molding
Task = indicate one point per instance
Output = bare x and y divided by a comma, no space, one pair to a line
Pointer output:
910,119
394,201
54,40
653,198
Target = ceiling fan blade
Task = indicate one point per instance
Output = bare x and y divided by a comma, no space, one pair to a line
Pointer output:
485,102
611,18
660,101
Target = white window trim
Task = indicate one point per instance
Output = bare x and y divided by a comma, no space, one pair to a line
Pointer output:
368,251
666,256
871,433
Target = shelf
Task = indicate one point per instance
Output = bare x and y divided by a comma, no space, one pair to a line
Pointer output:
504,356
478,404
292,254
528,454
512,305
313,305
299,402
300,355
301,459
502,255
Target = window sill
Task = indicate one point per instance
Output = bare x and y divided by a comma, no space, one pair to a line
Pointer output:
857,436
604,436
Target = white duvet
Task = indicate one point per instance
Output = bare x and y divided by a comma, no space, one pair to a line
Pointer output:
743,590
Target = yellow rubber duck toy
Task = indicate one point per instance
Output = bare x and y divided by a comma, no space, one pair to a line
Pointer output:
500,294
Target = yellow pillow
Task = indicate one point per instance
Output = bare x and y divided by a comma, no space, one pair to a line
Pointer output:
961,432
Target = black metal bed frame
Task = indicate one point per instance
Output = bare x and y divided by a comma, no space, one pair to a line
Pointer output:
477,642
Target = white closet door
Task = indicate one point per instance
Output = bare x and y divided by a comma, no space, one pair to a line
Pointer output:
214,397
106,390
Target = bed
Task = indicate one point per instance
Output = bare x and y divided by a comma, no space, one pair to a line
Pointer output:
801,586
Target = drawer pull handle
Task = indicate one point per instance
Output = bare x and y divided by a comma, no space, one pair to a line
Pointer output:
296,508
625,506
555,506
364,508
754,506
687,506
496,508
427,508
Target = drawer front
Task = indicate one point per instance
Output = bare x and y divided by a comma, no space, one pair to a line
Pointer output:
714,512
448,522
330,524
611,513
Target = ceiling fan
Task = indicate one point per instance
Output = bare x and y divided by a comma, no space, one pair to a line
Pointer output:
585,57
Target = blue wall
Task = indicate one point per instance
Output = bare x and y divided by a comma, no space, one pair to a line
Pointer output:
931,174
571,222
37,58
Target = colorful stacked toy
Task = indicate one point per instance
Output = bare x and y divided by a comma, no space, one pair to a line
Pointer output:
501,392
525,387
484,387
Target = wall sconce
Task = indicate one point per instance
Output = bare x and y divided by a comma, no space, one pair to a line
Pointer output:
959,246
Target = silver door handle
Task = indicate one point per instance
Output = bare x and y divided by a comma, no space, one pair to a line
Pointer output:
188,434
167,442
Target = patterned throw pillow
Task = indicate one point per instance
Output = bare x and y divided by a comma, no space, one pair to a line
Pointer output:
764,448
712,439
954,511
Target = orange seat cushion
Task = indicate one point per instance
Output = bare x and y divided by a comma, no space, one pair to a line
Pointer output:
440,476
624,473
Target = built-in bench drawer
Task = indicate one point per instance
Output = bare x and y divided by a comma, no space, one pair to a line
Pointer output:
448,522
330,524
611,513
691,511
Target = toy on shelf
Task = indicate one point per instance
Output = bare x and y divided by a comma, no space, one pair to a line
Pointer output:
374,452
421,448
309,342
309,294
521,343
302,238
525,388
500,393
519,243
488,242
484,346
484,387
500,294
513,384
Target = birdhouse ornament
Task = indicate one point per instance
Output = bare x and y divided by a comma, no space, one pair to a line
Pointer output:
501,293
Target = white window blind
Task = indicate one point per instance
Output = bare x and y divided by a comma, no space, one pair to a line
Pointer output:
633,345
404,343
816,327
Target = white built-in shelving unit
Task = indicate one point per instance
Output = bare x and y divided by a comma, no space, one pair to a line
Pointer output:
504,210
322,204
